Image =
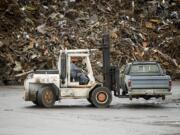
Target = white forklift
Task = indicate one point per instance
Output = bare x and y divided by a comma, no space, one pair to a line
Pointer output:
44,87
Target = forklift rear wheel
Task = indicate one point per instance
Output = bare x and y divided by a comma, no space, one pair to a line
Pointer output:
101,97
46,97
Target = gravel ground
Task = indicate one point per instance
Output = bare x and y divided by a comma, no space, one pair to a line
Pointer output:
77,117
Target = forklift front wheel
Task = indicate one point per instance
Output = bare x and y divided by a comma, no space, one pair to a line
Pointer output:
101,97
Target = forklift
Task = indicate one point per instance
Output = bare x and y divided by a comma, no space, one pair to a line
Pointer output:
45,87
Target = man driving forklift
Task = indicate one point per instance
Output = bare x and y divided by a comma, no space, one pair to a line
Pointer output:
77,73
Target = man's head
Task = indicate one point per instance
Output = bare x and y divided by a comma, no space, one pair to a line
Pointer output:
74,59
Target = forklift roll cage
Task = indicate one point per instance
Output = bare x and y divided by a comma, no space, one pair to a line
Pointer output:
64,67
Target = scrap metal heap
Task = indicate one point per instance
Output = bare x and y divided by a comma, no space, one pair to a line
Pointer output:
33,32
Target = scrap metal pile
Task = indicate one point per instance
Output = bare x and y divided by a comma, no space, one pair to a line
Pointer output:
33,31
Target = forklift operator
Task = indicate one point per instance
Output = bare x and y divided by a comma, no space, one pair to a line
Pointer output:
77,74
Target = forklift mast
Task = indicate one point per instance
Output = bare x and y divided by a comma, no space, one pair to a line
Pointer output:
106,60
110,73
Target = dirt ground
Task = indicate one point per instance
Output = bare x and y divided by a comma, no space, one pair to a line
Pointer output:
77,117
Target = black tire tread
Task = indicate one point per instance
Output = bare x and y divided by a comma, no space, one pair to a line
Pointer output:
93,97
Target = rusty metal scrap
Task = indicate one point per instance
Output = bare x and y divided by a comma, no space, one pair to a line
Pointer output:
33,32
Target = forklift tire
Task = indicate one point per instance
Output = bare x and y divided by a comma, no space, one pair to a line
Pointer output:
46,97
101,97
